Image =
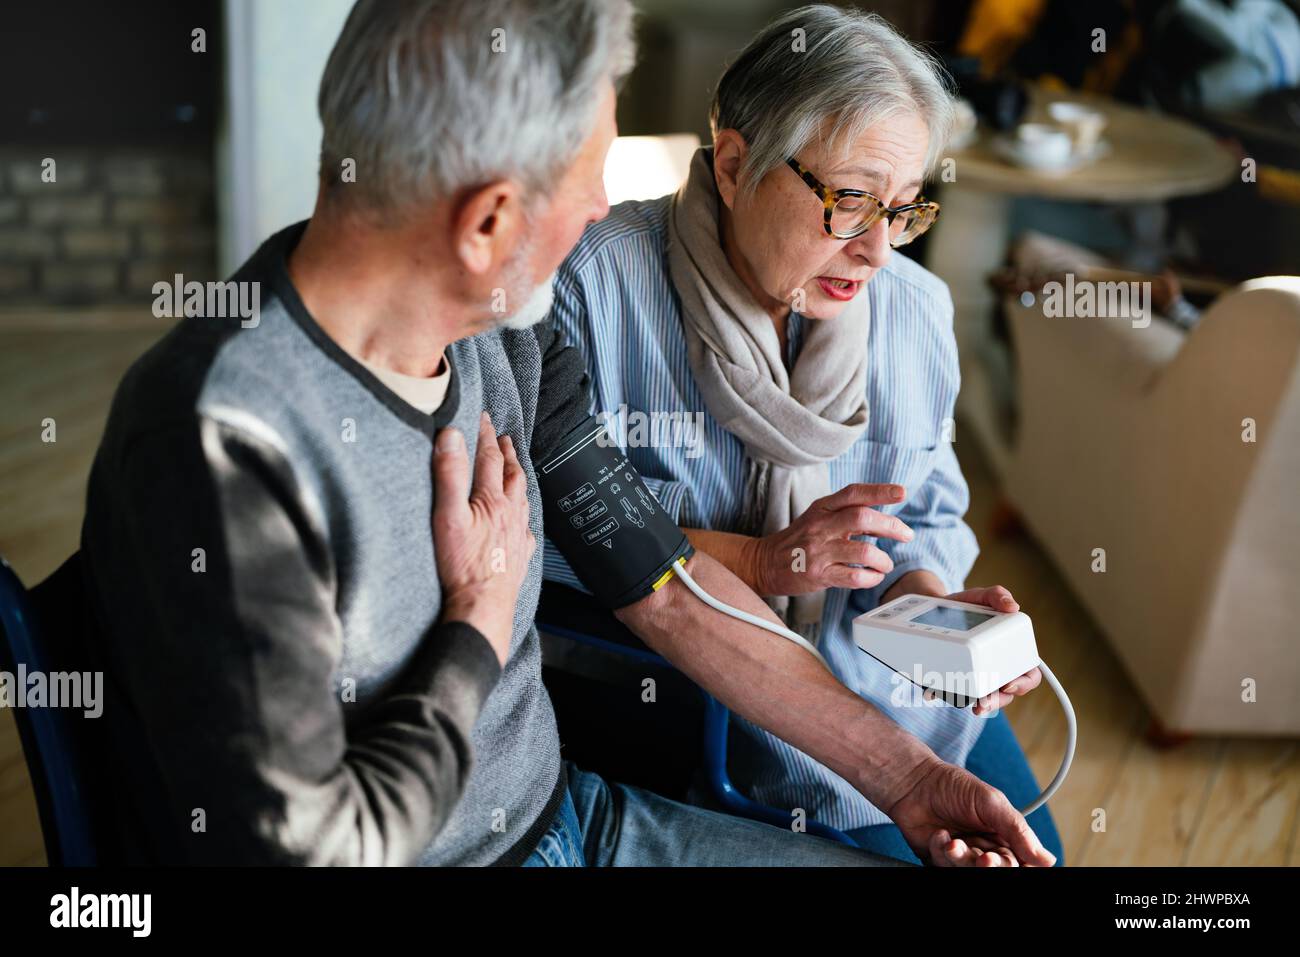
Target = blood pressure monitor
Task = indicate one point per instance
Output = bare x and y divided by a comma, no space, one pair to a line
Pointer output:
960,651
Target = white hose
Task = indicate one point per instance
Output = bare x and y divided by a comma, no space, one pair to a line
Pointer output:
726,609
1071,738
1071,724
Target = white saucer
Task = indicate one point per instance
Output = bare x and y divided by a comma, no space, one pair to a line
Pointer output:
1014,151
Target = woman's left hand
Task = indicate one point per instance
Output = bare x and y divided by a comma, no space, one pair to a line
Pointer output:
1000,599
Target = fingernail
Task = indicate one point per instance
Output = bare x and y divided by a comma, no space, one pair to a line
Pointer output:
896,490
449,440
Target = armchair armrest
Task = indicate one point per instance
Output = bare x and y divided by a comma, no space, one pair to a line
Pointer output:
1250,339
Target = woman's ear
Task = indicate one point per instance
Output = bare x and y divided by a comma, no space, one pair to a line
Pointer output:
729,152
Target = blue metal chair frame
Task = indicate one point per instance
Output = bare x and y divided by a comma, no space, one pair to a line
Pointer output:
47,741
716,727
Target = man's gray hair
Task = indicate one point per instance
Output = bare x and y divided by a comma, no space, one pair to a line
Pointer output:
824,71
428,97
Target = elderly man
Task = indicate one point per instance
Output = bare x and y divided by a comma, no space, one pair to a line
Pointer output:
301,671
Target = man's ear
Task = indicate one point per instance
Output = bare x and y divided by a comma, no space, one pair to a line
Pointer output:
486,221
729,152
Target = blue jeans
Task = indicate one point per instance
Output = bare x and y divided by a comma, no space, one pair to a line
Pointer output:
600,825
998,760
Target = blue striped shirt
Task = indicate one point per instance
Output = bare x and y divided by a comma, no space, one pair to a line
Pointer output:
615,301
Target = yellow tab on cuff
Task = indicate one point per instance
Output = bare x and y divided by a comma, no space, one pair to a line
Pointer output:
663,579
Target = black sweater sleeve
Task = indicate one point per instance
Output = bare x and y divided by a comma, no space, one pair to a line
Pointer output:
230,660
565,400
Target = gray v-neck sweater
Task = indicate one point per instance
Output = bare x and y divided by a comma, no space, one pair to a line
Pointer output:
260,563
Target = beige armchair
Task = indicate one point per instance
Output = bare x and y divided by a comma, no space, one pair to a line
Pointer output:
1131,440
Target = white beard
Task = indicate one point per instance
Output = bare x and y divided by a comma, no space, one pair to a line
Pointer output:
536,309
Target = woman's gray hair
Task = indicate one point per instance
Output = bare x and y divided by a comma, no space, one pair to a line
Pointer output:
428,97
821,64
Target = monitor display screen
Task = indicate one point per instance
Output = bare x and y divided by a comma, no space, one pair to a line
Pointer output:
959,619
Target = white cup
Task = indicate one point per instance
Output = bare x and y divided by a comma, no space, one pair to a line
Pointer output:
1042,144
1083,124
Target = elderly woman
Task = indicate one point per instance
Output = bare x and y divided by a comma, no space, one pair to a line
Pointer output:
764,300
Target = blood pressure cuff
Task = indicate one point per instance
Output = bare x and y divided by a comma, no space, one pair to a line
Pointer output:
609,527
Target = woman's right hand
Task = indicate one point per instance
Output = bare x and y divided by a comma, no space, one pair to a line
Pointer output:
481,537
953,819
816,551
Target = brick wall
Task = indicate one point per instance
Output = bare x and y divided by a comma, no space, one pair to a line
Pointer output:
110,225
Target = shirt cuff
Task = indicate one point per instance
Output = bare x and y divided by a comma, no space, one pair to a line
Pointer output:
901,569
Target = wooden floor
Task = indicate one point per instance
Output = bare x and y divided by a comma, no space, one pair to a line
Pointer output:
1210,801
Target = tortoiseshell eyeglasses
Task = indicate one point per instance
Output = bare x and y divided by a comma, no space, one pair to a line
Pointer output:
851,212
